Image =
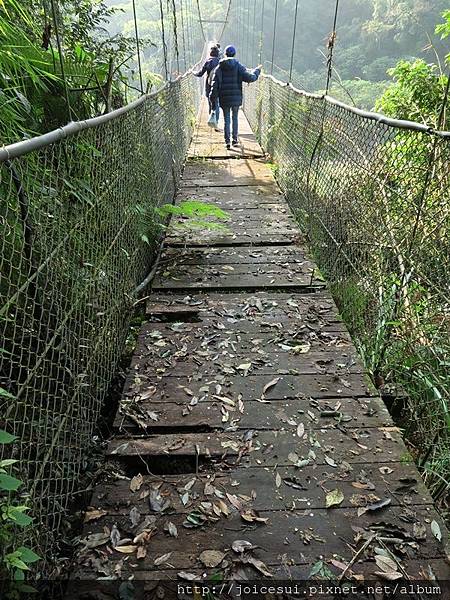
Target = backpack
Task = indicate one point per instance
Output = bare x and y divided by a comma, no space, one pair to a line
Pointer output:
209,79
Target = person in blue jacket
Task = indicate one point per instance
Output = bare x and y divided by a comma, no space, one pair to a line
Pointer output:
208,68
227,87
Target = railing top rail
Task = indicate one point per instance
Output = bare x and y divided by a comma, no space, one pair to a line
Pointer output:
373,116
40,141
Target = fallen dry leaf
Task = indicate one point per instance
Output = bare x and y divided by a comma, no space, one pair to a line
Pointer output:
211,558
93,514
136,483
269,386
162,559
240,546
125,549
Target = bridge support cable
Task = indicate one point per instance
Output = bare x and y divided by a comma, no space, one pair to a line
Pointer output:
254,37
248,36
318,144
274,36
138,49
175,34
55,14
261,37
294,34
330,46
163,40
201,21
226,23
183,36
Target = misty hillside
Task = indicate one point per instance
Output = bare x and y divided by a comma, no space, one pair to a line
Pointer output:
372,36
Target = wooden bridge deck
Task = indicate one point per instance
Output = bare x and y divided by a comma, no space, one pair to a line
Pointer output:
247,415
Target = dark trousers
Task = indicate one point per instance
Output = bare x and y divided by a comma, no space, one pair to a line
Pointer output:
231,118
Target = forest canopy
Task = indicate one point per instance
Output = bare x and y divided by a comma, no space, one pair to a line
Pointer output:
70,60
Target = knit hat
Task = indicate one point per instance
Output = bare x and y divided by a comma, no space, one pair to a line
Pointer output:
230,50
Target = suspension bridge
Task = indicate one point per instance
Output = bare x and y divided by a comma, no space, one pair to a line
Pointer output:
248,441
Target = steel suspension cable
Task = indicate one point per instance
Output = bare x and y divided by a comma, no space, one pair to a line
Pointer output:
274,35
254,33
189,30
317,145
293,41
138,49
247,53
175,35
163,38
227,16
61,57
200,21
183,36
331,43
261,37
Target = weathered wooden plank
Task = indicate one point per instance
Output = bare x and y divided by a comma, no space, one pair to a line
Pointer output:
281,330
252,387
240,198
261,218
269,448
301,536
280,255
179,364
165,417
249,237
259,305
236,277
209,173
210,143
292,490
428,573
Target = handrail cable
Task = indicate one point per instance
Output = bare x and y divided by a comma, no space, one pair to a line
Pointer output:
138,49
293,41
274,36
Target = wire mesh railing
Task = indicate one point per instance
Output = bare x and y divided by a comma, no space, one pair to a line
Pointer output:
373,196
78,235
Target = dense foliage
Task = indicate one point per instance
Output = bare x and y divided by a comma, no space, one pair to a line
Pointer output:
42,88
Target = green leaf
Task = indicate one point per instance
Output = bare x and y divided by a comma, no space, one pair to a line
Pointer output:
27,555
18,516
7,462
5,394
8,483
5,437
334,498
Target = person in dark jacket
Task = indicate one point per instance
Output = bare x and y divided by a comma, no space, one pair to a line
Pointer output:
227,87
208,68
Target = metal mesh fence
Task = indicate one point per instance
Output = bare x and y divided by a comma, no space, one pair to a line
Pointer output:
373,197
78,236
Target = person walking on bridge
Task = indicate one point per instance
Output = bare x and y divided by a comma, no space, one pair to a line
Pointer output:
208,68
227,88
